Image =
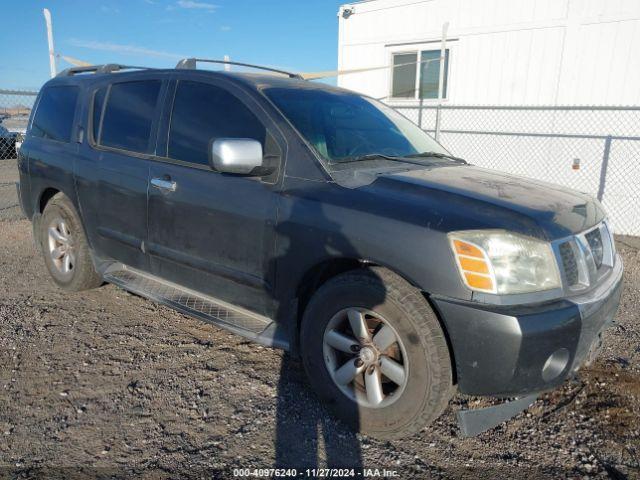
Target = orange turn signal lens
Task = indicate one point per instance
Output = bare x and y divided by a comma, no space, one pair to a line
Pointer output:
478,282
474,266
464,248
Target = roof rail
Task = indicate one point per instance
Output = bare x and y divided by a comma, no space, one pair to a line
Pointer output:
191,63
106,68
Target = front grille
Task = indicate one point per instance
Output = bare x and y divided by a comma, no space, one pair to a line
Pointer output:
594,239
585,257
569,263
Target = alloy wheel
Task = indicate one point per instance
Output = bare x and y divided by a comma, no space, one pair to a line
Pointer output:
61,249
365,357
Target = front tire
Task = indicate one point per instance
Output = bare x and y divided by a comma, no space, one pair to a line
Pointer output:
374,350
64,246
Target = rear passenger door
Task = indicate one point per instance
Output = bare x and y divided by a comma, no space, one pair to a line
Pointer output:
213,232
113,178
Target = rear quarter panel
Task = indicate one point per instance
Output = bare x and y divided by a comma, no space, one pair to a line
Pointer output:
48,164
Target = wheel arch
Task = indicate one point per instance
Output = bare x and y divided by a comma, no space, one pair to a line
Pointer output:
320,273
45,196
42,200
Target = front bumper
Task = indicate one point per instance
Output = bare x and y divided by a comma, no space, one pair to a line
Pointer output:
516,350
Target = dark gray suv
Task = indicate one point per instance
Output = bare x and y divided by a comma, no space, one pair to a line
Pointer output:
320,221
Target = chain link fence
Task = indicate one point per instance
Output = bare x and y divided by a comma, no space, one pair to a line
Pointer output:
591,149
15,108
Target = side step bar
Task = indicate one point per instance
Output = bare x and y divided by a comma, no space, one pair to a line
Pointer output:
230,317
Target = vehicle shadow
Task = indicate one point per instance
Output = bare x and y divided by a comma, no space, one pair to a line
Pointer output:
308,436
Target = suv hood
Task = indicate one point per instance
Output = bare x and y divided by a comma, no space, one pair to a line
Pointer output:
466,197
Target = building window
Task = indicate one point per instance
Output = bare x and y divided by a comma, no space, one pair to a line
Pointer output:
404,75
409,81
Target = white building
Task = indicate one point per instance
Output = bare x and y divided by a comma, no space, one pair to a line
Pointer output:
532,52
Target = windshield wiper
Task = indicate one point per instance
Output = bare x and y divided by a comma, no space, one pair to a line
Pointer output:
402,158
435,155
371,156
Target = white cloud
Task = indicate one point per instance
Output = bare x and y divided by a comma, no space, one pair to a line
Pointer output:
122,49
191,4
106,9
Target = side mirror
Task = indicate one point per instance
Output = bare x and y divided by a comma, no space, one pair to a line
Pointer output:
236,155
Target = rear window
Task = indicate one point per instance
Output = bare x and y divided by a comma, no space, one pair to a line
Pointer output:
55,112
129,114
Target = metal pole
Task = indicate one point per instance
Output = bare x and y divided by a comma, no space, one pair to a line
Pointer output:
52,55
603,169
443,53
227,67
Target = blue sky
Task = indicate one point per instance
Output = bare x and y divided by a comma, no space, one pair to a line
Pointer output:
300,35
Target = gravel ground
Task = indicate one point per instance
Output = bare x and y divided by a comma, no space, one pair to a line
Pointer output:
9,209
104,383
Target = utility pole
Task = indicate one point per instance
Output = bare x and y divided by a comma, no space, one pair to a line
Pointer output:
52,55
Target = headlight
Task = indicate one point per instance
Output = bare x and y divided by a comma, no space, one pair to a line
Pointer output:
500,262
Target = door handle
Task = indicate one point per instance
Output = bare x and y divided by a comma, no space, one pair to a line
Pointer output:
164,184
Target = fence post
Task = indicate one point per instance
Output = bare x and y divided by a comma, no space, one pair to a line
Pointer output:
420,113
603,169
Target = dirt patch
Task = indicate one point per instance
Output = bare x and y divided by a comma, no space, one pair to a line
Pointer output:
104,383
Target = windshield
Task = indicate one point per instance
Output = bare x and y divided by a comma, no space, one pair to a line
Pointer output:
345,126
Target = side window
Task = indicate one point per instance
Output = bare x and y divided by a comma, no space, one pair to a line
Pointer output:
98,104
202,113
404,75
430,74
129,114
55,112
426,66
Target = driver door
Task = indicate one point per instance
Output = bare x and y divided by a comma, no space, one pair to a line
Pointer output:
208,231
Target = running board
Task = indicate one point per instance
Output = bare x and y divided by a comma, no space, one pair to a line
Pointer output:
260,329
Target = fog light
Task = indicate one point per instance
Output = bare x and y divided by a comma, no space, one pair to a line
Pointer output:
555,364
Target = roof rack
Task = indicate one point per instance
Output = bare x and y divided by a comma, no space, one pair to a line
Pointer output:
106,68
192,64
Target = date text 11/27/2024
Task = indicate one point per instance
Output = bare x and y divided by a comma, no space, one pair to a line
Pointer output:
315,473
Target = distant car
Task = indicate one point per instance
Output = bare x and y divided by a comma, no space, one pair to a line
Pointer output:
20,134
7,143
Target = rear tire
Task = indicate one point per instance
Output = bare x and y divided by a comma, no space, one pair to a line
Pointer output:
422,372
64,246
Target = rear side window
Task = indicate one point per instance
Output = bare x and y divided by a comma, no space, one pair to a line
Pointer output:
98,103
55,112
129,114
202,113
